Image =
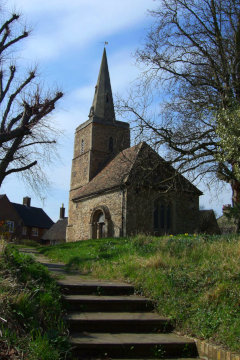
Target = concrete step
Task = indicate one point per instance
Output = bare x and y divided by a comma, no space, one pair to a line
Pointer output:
90,303
131,346
118,322
94,288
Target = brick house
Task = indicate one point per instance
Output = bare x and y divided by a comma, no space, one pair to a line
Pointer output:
117,190
23,220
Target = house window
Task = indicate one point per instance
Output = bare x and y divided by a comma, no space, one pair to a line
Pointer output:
82,146
34,231
24,230
10,226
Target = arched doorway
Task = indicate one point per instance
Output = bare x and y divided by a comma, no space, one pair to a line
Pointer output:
100,223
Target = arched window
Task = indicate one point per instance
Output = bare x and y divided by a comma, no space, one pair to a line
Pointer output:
110,144
82,146
168,220
156,215
162,217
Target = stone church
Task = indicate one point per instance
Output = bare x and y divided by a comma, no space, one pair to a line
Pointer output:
117,190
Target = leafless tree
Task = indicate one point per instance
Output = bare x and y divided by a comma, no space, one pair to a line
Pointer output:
26,133
192,53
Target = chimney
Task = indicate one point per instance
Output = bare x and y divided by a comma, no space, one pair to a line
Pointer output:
27,201
62,212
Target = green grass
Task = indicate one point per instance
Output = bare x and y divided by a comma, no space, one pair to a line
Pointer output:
195,280
30,304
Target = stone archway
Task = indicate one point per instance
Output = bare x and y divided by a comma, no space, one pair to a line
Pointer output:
100,223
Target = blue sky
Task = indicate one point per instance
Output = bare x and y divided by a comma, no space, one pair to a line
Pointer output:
66,43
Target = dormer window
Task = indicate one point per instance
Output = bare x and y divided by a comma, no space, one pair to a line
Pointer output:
82,146
110,144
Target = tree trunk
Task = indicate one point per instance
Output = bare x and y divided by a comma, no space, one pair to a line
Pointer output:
236,201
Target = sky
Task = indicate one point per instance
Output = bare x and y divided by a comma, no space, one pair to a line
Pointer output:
66,44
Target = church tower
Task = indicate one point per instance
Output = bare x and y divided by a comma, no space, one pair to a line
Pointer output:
101,137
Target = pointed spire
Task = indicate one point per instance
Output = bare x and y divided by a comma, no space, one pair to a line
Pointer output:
102,106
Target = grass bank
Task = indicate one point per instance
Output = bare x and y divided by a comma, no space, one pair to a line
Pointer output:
31,316
193,279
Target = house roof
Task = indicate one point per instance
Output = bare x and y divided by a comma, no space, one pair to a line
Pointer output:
33,216
140,165
57,231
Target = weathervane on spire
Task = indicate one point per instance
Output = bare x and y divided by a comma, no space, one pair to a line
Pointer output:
104,42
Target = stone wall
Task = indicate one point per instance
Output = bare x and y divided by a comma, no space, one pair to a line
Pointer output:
140,211
80,215
81,157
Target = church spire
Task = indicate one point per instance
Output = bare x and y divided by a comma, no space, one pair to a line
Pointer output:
102,106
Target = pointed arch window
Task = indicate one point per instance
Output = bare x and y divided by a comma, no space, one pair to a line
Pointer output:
110,144
162,217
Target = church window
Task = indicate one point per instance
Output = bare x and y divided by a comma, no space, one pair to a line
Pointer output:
162,217
110,144
156,216
82,146
107,98
168,222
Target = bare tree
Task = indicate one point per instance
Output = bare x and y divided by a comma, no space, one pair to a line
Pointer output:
26,133
192,52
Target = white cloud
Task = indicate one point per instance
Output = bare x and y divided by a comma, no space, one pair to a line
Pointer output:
62,25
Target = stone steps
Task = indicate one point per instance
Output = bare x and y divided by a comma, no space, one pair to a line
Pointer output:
106,321
95,288
118,322
109,324
128,345
96,303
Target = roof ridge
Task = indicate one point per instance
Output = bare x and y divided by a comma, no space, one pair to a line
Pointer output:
32,207
140,145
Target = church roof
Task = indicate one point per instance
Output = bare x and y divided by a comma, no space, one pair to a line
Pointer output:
114,174
102,106
140,165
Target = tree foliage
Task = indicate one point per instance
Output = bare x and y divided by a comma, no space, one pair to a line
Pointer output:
192,52
26,134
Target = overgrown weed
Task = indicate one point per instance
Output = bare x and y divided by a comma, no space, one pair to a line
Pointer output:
30,305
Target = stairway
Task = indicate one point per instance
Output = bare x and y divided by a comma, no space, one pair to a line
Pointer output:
108,321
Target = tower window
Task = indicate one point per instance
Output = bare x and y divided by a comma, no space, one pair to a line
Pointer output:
110,144
107,98
82,146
